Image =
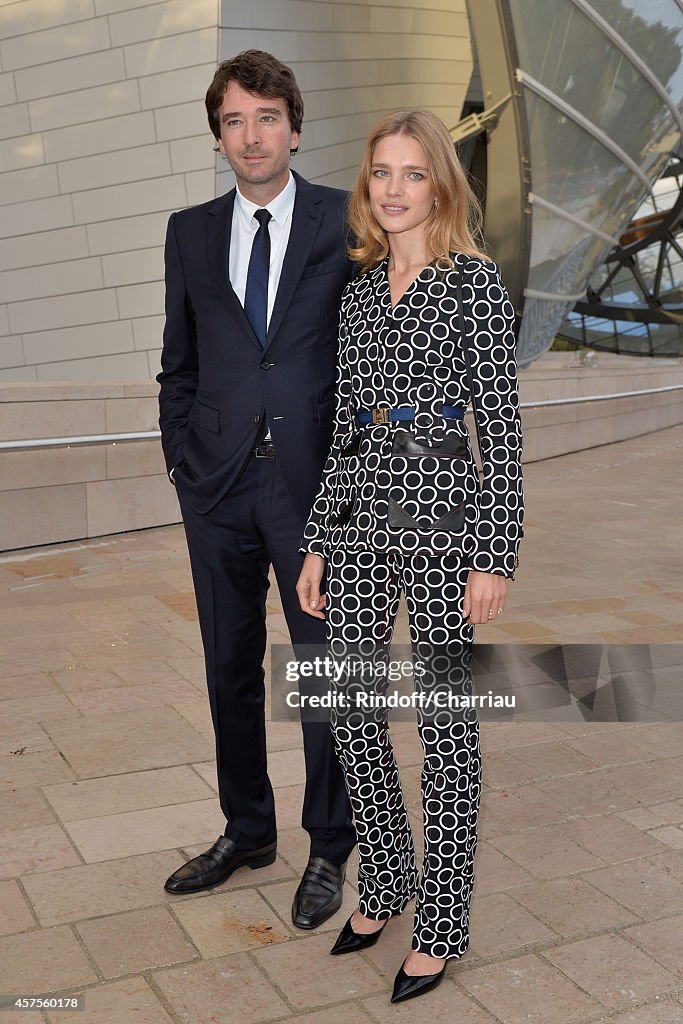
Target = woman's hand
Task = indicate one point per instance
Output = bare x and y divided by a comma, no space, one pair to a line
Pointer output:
484,597
308,588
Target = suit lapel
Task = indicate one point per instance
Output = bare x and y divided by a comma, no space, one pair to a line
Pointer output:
306,218
218,231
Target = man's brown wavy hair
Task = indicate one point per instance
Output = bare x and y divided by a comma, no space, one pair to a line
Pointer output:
455,223
261,74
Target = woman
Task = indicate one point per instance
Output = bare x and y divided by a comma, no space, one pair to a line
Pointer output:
401,508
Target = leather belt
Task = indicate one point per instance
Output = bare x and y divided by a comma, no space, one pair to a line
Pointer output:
406,415
264,450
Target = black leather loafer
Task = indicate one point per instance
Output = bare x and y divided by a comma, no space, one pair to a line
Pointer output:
349,941
319,895
216,865
407,986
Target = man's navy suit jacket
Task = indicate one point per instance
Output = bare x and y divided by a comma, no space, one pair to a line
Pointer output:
218,383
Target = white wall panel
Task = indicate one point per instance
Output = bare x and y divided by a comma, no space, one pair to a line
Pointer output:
182,120
135,197
36,48
130,165
7,90
36,215
18,19
174,87
128,233
50,279
21,151
127,366
62,311
73,73
124,268
180,51
28,183
90,104
78,342
106,135
170,18
141,299
14,120
43,247
11,351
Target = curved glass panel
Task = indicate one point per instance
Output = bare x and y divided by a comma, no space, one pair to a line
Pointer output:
597,110
654,29
576,172
601,83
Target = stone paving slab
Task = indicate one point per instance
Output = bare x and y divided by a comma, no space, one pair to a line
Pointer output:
223,990
119,1002
136,941
116,794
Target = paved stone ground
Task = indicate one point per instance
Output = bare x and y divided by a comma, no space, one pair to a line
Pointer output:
106,784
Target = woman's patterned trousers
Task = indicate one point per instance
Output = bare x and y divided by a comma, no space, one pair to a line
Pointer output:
363,594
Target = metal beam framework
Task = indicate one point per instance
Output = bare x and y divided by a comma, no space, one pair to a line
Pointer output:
475,123
533,293
559,211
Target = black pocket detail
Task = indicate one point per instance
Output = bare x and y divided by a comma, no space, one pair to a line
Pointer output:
399,518
352,448
452,522
406,444
343,515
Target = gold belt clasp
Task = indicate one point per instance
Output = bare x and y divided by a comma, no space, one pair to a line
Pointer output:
380,416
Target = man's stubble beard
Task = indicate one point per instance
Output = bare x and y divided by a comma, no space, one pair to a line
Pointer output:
264,176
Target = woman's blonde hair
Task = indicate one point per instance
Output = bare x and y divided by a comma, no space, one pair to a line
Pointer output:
454,225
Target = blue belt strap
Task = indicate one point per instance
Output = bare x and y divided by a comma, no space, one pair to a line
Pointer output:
378,416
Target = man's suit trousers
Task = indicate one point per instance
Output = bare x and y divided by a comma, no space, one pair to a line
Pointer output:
363,593
231,549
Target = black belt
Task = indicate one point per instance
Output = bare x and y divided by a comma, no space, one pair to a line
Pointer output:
405,415
264,450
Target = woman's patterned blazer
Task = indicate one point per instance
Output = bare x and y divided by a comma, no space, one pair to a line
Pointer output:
414,487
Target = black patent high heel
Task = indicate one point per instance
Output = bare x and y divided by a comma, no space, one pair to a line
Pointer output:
406,986
349,941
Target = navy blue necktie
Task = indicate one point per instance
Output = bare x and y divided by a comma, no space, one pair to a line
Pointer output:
256,294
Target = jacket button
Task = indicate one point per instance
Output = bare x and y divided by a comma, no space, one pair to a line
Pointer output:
257,419
266,365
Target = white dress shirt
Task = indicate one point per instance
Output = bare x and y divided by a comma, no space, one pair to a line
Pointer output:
245,226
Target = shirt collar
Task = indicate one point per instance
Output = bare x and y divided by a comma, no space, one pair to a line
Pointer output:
279,208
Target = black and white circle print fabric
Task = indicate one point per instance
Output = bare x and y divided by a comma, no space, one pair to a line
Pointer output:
363,589
411,354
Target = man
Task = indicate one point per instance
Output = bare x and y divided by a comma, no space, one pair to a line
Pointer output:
253,285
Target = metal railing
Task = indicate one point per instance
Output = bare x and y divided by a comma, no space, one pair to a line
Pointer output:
80,441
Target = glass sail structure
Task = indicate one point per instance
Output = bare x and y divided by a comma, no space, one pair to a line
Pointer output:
582,154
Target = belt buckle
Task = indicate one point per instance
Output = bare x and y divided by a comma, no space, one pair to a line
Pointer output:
380,416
